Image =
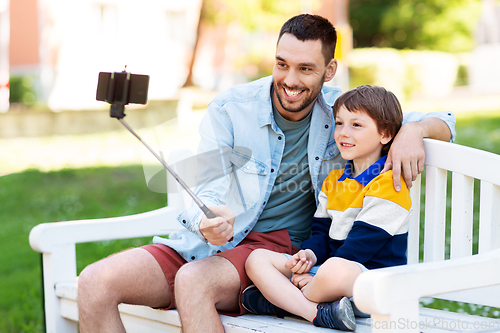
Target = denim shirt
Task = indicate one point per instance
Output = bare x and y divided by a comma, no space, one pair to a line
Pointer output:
241,118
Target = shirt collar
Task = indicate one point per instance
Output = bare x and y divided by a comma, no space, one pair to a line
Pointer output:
366,176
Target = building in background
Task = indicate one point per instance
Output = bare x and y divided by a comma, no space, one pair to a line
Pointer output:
63,45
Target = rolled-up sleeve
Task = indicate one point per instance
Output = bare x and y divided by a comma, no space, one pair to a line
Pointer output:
447,116
216,132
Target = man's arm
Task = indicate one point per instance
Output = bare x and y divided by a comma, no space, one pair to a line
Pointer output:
407,152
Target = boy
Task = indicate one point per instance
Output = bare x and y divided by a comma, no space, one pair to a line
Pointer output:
361,222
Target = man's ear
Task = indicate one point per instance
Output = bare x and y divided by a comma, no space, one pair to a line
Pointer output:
331,69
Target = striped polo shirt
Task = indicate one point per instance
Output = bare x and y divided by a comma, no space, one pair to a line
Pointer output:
362,218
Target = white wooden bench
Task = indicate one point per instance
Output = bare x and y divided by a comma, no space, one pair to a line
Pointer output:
391,295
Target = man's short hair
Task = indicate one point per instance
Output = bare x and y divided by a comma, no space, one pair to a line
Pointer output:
380,104
313,27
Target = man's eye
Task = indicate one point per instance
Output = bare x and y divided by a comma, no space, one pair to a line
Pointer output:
281,65
306,69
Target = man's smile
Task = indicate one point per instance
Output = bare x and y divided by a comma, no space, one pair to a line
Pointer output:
292,93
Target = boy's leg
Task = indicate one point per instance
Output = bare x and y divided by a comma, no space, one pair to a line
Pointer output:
267,270
334,280
132,276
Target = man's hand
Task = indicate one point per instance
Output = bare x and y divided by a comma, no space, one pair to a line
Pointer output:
407,151
301,262
407,154
219,230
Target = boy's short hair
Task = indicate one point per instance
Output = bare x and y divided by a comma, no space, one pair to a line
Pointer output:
379,103
313,27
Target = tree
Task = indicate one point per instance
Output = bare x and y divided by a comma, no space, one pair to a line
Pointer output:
444,25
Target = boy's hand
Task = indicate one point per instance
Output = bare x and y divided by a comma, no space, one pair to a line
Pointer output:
219,230
301,262
301,280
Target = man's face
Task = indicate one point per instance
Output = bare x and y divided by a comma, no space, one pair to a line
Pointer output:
298,75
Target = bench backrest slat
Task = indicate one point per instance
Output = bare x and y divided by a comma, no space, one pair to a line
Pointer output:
489,217
414,223
462,207
435,213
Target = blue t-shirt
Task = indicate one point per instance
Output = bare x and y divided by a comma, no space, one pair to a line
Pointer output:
291,204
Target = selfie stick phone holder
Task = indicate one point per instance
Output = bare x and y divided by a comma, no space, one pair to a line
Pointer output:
122,88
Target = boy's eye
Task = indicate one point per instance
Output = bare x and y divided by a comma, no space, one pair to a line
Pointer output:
338,123
356,125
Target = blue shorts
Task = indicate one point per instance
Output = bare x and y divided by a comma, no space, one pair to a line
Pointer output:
314,269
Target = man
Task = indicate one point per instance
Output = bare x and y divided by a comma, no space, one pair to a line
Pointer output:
286,122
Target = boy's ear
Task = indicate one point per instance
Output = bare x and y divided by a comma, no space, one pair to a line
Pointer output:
386,138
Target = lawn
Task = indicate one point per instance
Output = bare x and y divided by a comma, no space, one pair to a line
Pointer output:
32,196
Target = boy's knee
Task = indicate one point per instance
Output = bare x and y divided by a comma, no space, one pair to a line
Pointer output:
253,261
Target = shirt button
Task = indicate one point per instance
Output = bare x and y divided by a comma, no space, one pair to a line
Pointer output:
326,126
193,258
272,170
316,158
279,137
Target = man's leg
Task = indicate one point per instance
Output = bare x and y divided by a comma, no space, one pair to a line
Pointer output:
132,277
201,288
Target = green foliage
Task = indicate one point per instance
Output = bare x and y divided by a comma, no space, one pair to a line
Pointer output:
250,14
432,24
32,197
22,90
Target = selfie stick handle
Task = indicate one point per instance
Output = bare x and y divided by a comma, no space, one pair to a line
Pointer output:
208,213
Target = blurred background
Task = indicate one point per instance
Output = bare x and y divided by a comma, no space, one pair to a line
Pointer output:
62,157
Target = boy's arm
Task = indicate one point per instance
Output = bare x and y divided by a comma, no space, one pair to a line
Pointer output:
318,243
407,154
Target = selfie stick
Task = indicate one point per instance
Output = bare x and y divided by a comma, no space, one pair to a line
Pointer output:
114,89
200,203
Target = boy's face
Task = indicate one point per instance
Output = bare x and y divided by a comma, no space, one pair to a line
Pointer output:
357,136
298,75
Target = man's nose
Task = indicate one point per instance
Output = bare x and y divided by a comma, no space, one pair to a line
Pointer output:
292,79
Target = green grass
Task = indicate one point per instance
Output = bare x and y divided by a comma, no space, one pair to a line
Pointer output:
32,197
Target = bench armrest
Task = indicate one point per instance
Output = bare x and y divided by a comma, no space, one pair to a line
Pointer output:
45,237
383,291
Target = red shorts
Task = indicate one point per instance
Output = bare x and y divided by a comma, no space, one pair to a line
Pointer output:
170,261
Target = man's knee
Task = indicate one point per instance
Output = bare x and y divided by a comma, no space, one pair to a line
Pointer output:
209,275
94,281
